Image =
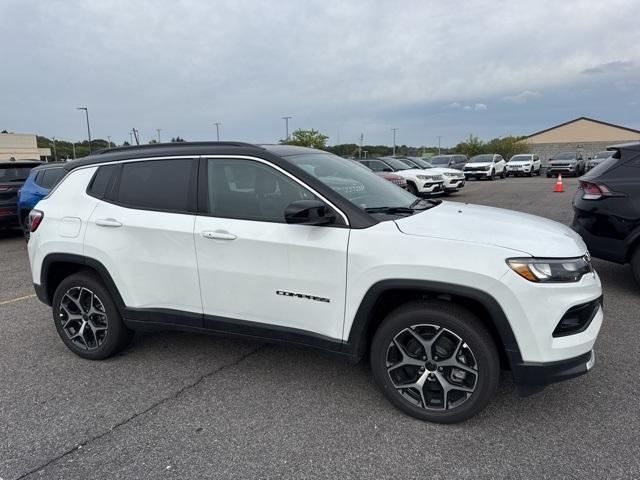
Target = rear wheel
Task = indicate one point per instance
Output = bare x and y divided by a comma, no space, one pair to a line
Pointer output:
87,319
435,361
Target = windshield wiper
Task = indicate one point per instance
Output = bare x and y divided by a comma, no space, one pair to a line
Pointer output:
407,210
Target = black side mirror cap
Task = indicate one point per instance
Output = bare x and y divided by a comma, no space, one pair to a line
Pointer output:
309,212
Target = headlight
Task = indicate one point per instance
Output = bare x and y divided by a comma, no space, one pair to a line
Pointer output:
450,174
488,167
554,270
424,177
527,166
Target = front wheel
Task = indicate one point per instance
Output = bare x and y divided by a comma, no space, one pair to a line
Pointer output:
435,361
87,319
492,176
502,174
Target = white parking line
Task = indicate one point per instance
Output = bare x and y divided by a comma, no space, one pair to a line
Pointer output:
19,299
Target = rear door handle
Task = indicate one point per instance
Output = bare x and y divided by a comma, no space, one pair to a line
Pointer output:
108,222
219,235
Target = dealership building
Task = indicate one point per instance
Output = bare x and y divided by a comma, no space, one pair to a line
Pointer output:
22,146
583,135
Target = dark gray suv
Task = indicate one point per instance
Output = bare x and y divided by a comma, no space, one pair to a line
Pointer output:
449,161
567,163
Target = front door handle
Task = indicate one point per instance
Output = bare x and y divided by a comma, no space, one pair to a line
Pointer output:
219,235
108,222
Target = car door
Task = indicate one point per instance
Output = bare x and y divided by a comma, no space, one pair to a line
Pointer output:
282,279
142,233
500,163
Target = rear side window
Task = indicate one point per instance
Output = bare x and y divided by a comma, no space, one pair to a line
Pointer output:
50,178
165,185
100,182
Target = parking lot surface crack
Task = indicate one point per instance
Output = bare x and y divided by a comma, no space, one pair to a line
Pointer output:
149,409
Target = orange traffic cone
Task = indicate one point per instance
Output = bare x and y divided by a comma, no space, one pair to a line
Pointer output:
559,185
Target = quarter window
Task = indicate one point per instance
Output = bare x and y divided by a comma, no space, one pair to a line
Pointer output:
101,179
164,185
249,190
50,177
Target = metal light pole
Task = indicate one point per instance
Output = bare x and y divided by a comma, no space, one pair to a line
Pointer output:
158,130
73,145
286,126
217,124
394,140
86,112
439,138
55,155
109,141
360,146
131,138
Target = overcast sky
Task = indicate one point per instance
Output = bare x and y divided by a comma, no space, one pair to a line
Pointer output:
429,68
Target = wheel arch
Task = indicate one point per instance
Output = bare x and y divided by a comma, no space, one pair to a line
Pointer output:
384,296
58,266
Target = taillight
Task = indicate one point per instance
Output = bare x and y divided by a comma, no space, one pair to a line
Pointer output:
35,219
593,191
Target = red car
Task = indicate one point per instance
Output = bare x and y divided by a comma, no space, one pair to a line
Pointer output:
392,177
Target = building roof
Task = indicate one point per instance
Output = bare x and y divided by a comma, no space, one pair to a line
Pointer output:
584,129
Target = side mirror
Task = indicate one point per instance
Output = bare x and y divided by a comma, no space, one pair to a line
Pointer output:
309,212
452,162
588,158
387,169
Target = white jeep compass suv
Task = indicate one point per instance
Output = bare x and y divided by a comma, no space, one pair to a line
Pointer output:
292,244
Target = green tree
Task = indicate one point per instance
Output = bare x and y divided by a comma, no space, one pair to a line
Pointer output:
472,146
307,138
177,139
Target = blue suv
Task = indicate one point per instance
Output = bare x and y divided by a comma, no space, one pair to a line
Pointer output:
38,184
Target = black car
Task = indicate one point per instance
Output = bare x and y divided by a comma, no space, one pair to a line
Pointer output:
13,174
607,207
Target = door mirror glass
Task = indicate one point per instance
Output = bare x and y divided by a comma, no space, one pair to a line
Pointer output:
309,212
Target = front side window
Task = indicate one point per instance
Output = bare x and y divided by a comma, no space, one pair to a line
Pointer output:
363,189
439,161
164,185
250,190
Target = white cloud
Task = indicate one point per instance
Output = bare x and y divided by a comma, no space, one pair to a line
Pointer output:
522,97
454,105
467,107
480,106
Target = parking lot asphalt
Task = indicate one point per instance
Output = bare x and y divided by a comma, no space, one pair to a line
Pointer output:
176,405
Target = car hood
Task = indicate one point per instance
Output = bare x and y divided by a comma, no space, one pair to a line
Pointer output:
499,227
477,164
520,163
442,170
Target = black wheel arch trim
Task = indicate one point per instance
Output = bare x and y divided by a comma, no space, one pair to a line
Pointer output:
356,345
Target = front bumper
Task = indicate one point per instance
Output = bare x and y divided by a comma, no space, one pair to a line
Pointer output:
430,188
453,184
531,377
477,173
519,170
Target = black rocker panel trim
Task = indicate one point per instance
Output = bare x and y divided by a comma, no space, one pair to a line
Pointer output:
356,344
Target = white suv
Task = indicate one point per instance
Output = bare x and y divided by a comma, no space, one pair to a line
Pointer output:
486,165
524,164
419,182
291,244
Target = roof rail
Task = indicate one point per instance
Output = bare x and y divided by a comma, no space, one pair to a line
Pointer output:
151,146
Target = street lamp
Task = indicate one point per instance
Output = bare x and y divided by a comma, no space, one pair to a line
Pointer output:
159,130
394,140
55,155
286,126
439,139
86,112
217,124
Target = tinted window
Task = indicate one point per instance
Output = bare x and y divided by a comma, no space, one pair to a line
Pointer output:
50,177
12,173
378,166
100,182
249,190
157,185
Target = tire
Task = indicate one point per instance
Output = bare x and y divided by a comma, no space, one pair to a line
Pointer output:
635,265
506,174
548,175
530,174
74,300
412,189
538,172
458,331
492,177
502,174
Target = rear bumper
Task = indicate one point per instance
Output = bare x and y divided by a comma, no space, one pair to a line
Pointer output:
607,248
532,377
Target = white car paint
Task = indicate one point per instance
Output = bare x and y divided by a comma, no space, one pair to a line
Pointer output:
484,169
453,179
233,268
425,181
524,164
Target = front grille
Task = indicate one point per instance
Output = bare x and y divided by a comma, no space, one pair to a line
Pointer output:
474,169
577,319
559,165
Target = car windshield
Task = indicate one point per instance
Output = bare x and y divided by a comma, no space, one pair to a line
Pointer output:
422,163
520,158
564,156
439,160
398,164
606,154
487,157
11,173
364,189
